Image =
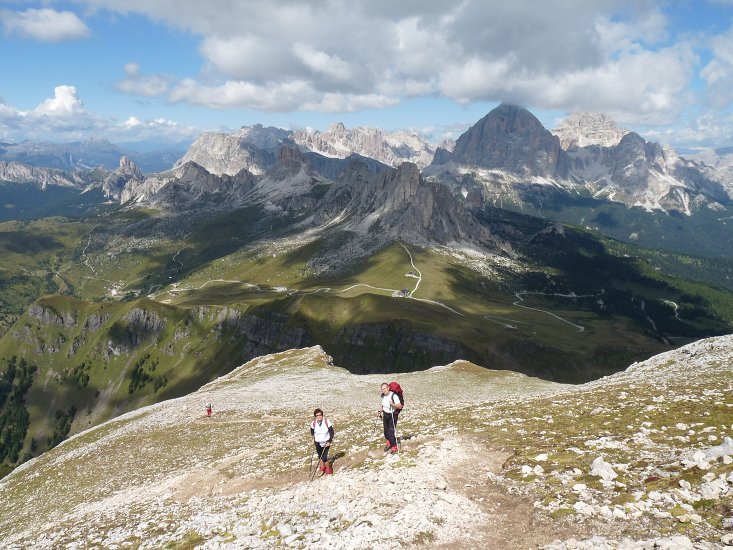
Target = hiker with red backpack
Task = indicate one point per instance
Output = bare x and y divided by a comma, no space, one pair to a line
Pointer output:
322,433
391,405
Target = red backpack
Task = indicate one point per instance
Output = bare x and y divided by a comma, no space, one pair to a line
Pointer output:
395,388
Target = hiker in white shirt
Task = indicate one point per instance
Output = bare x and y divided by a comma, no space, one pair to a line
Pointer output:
390,407
322,433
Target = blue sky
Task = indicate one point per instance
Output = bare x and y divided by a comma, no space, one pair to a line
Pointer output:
166,70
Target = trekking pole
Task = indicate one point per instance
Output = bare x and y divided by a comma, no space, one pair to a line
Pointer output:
320,457
313,473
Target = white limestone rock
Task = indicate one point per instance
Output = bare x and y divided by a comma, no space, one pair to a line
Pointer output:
584,129
391,149
602,469
724,449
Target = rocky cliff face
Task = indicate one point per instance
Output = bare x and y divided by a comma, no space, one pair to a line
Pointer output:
115,182
16,172
640,173
137,327
228,154
255,148
584,129
391,149
186,185
511,138
400,203
263,137
371,348
47,316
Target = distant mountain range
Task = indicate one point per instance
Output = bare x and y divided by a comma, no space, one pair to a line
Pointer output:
507,159
85,155
720,158
506,153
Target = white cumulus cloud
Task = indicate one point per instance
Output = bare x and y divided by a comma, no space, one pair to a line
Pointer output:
347,103
623,57
330,55
63,117
46,25
156,129
718,73
64,103
276,96
139,84
320,62
60,115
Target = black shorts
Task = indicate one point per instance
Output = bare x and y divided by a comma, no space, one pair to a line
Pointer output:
322,452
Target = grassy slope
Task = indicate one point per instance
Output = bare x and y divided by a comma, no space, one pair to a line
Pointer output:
365,329
607,340
32,257
180,358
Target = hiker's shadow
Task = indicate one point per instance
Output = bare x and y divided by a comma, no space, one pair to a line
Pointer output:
337,456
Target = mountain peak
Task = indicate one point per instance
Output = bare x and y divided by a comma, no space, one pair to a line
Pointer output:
221,153
513,139
262,137
403,206
116,182
337,127
129,167
584,129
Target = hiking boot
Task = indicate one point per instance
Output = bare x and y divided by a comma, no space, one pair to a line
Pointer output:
328,470
394,449
322,467
387,447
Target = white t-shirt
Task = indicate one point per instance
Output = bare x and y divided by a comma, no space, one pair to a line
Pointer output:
387,401
320,431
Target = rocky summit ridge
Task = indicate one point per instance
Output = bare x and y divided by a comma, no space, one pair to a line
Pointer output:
511,158
640,459
254,148
115,182
220,153
584,129
401,204
391,149
17,172
513,139
506,158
